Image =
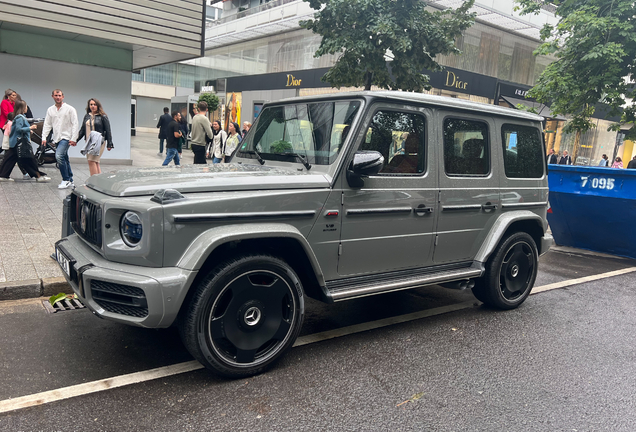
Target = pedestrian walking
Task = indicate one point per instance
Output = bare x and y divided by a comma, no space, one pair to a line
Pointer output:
618,163
173,134
20,149
200,130
162,124
7,106
232,142
216,148
632,163
604,161
97,121
61,118
552,157
565,159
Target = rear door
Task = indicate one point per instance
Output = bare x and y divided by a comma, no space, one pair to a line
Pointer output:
388,224
469,184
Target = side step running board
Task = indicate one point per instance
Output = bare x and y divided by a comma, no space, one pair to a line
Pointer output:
403,283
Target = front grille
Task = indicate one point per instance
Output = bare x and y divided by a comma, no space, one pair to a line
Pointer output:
120,299
86,220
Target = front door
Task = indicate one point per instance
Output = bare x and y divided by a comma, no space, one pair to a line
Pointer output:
469,185
388,224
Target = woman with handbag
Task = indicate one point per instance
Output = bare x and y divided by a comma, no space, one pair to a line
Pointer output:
216,148
95,120
20,148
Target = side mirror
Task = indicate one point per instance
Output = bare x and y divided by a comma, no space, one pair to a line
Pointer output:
364,164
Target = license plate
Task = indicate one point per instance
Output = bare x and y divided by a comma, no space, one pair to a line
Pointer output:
63,261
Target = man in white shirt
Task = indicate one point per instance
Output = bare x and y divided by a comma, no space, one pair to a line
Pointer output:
62,119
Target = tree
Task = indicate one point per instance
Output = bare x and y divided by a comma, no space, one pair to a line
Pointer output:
594,43
211,99
368,32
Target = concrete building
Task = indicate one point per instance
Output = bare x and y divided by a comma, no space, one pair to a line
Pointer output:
89,48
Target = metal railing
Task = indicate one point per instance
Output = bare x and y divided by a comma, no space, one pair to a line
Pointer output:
251,11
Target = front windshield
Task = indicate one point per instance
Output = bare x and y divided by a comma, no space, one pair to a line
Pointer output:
315,130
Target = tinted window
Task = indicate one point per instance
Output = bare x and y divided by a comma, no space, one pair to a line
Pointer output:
399,137
466,147
523,151
315,130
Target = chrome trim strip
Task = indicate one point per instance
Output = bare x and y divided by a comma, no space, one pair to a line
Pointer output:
516,205
380,210
448,276
462,207
206,217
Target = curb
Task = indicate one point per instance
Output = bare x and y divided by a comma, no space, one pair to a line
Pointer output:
33,288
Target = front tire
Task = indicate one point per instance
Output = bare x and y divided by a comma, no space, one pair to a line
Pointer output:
244,315
510,273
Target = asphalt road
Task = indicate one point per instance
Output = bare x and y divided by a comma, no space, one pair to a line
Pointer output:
564,361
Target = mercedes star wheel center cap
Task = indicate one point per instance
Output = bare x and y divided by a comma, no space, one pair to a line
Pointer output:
252,316
514,271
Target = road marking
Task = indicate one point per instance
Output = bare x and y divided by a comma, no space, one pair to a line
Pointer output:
166,371
570,282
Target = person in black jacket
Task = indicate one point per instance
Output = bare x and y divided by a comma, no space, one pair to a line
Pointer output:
162,124
632,163
95,120
566,159
552,157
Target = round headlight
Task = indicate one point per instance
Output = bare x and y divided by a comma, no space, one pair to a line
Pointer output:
130,228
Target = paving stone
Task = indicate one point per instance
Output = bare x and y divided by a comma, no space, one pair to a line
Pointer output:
24,289
19,272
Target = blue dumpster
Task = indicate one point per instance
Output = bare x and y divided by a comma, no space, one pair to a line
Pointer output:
593,208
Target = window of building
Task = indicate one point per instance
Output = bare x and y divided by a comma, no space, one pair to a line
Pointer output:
400,138
523,152
466,147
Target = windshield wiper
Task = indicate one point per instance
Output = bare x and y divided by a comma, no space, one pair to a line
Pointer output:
258,156
302,158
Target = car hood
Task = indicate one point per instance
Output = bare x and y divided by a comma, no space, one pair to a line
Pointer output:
204,178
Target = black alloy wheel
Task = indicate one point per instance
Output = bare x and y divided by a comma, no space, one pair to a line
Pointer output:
244,316
510,273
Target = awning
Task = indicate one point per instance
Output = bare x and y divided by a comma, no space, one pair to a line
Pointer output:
542,110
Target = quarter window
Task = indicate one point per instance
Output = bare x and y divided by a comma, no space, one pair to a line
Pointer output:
399,137
466,147
523,151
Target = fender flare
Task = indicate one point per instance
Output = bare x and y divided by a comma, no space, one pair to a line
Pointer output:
500,227
202,246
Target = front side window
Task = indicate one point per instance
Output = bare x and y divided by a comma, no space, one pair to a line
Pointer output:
466,147
315,131
400,138
523,151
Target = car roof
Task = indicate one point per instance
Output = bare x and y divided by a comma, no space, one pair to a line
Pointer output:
401,96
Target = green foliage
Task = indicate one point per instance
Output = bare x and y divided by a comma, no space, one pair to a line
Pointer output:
211,99
365,33
59,297
595,46
280,146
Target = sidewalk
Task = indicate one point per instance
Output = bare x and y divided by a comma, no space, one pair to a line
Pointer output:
31,222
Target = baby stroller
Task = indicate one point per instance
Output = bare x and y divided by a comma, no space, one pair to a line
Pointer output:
45,154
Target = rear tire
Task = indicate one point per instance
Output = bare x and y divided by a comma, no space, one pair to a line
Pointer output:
510,273
244,316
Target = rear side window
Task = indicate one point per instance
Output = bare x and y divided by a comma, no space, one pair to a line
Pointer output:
523,151
466,147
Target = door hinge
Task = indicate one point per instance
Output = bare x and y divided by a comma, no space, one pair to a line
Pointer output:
439,196
436,238
340,249
342,198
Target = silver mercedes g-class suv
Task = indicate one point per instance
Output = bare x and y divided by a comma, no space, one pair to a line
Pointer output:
334,197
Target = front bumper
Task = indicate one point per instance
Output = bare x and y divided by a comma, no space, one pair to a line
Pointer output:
136,295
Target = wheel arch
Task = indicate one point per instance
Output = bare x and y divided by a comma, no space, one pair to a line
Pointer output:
523,220
285,241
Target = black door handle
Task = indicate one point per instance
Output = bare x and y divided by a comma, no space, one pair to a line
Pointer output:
421,210
489,206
